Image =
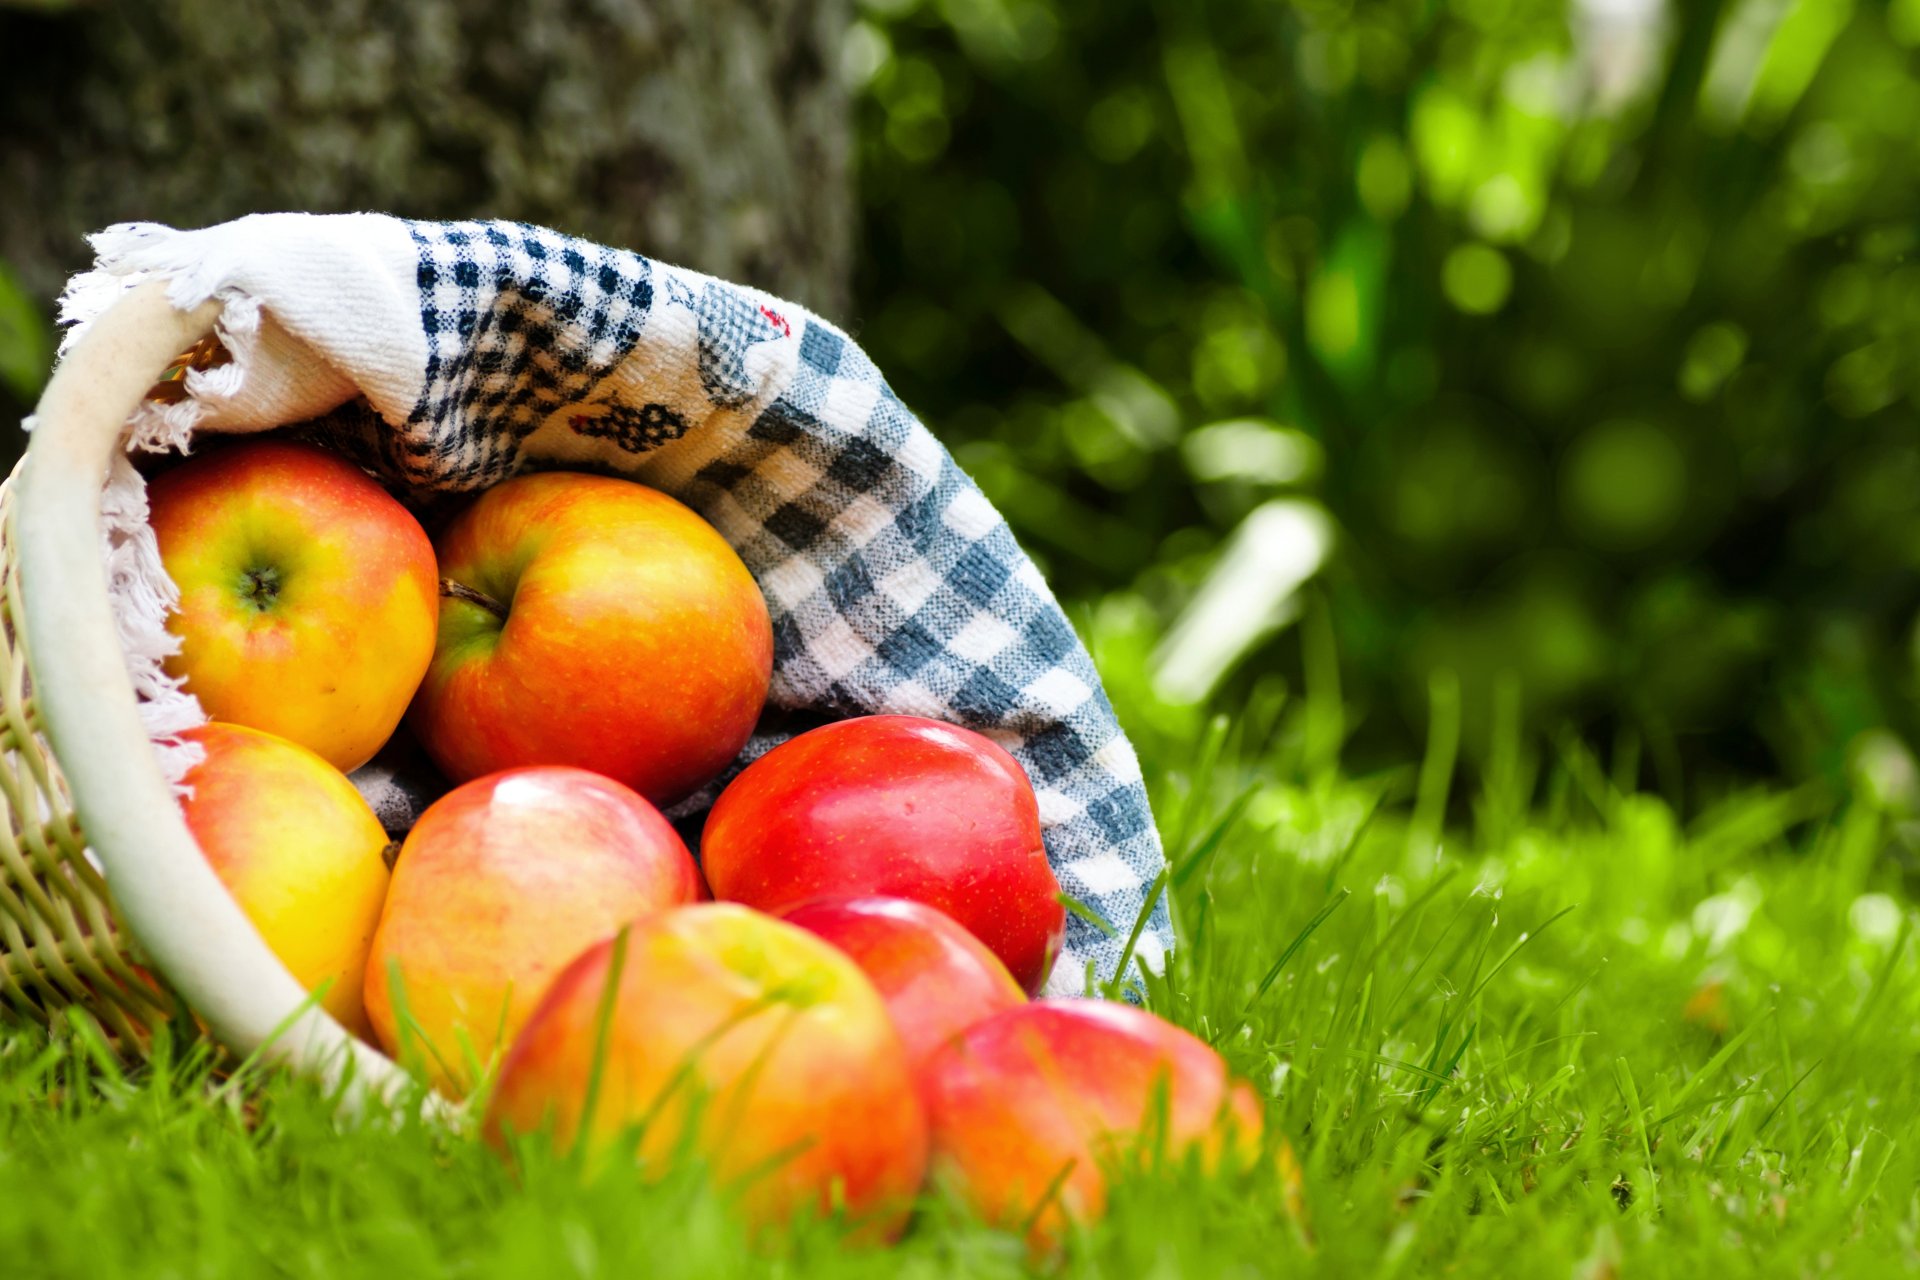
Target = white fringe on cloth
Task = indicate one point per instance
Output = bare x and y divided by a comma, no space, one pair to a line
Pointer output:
271,377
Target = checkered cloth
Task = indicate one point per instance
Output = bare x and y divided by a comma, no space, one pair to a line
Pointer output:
448,356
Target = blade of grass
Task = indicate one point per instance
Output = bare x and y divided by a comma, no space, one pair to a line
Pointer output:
1299,940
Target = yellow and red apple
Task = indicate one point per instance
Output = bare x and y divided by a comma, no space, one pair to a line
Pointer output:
1033,1110
900,807
592,621
739,1039
935,977
299,850
499,885
308,597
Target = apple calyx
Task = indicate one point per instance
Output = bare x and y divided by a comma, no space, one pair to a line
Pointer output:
260,587
461,591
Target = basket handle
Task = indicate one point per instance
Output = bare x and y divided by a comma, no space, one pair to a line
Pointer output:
163,886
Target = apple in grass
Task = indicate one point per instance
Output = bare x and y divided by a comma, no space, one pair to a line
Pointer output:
299,850
900,807
738,1039
935,977
1033,1110
308,597
497,887
592,621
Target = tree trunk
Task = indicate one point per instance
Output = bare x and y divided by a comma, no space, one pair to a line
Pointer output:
711,133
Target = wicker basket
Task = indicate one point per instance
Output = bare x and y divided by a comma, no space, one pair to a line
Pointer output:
108,912
61,945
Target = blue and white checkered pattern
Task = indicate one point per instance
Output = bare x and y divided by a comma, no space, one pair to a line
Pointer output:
893,583
896,587
519,321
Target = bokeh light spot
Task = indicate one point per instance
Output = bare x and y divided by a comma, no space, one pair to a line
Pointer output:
1477,279
1384,177
1713,355
1623,485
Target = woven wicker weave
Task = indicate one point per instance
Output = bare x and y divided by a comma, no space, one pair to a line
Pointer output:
61,945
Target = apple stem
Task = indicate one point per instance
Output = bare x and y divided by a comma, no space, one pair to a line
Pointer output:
460,591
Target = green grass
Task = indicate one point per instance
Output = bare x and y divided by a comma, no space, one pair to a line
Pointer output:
1562,1034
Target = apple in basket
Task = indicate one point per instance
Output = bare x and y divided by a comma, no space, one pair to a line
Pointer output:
500,883
740,1040
299,850
1033,1110
307,594
901,807
592,621
936,978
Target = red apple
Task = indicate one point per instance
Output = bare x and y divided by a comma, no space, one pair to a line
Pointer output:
299,850
307,594
903,808
591,621
738,1038
499,885
1032,1110
936,978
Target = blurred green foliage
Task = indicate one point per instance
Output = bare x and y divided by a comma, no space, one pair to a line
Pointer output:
26,346
1594,327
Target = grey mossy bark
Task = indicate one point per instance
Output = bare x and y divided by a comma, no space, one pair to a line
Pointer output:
711,133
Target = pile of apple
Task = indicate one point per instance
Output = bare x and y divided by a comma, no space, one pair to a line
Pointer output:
575,653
